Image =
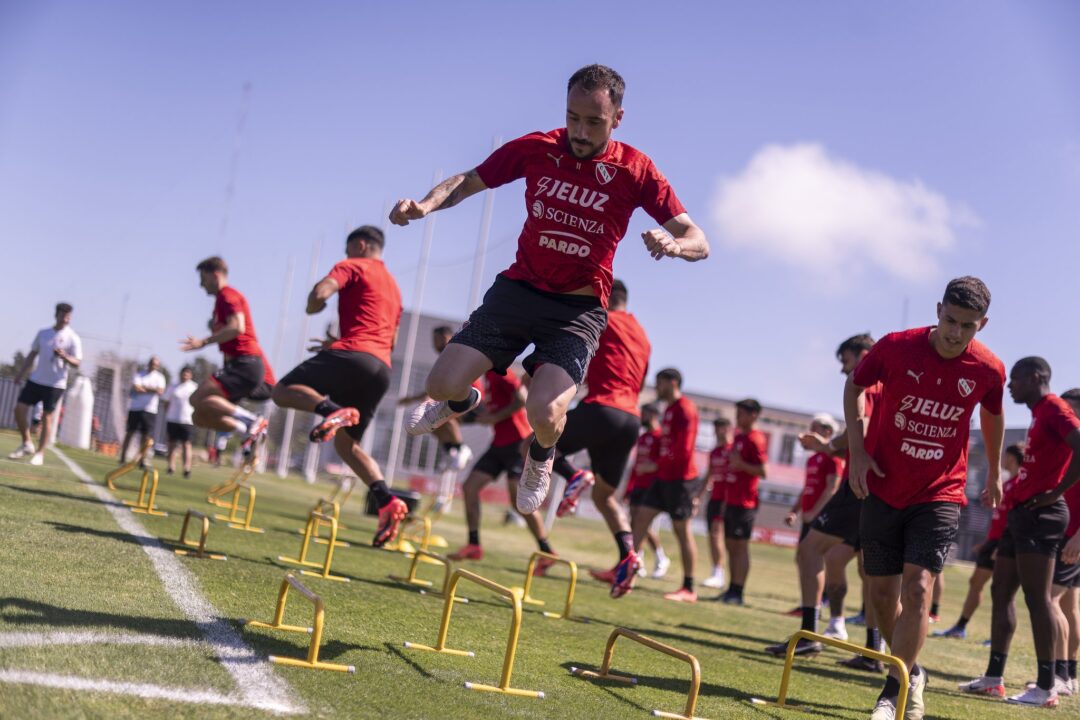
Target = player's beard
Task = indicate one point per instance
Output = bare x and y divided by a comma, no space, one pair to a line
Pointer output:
590,150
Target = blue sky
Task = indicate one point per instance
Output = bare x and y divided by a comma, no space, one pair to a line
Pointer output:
845,158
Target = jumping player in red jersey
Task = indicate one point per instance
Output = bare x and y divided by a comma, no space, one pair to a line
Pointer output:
642,475
246,374
746,465
347,378
504,411
581,187
606,423
716,487
1035,530
676,473
912,467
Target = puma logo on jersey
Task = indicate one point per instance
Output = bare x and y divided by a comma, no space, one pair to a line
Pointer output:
571,193
917,376
556,158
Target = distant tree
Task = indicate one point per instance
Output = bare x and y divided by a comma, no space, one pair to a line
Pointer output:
11,369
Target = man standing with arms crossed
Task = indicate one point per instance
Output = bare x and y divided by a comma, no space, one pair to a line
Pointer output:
581,187
912,468
146,390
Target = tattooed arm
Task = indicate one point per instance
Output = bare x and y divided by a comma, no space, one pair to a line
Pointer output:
446,194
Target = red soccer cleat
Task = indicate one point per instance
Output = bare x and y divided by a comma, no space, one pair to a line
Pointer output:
343,418
578,484
625,574
542,566
604,576
682,595
390,517
255,434
469,552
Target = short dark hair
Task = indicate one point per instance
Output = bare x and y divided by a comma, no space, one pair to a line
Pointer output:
967,292
64,307
1071,395
856,344
599,77
1016,451
670,374
650,408
749,405
1032,365
442,330
721,421
187,368
213,264
619,295
370,233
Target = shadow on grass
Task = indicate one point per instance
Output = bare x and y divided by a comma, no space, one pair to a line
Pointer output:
725,633
58,495
395,650
110,534
18,611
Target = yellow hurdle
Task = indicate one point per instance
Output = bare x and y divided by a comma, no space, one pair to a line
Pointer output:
316,632
311,531
111,477
326,507
606,674
789,661
237,485
514,595
526,598
434,558
146,504
200,547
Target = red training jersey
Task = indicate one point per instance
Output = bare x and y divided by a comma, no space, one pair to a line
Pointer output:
645,452
678,428
819,468
227,303
617,371
742,487
577,210
718,469
501,391
1072,499
369,307
871,397
1046,454
919,435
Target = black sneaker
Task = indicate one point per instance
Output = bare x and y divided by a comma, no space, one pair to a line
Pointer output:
863,663
802,647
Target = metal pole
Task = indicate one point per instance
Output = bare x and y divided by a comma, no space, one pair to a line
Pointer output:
482,240
290,414
410,341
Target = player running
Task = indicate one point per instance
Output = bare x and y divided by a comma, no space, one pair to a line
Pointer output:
642,475
348,376
581,187
716,487
746,465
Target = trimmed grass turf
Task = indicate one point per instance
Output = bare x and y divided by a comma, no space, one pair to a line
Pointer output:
68,566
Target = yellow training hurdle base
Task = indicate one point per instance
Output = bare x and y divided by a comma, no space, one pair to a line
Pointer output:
789,660
236,485
511,644
323,506
311,532
145,505
434,558
316,632
528,599
200,551
606,674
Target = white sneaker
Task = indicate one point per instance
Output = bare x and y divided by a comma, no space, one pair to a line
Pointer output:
993,686
884,710
535,480
460,459
836,630
1073,687
432,414
916,707
716,580
37,458
663,562
1063,687
1035,697
22,451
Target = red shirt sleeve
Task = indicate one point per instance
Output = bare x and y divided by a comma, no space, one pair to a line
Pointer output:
342,274
658,197
755,452
507,163
1063,421
993,398
871,369
229,304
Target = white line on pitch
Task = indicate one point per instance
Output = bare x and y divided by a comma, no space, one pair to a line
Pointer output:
143,690
92,637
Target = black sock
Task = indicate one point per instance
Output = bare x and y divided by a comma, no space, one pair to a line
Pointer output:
962,622
1061,669
326,406
564,468
1045,679
915,670
540,453
996,666
862,610
543,545
474,537
892,688
688,583
460,406
873,638
448,446
625,541
381,493
934,609
1072,669
809,618
735,590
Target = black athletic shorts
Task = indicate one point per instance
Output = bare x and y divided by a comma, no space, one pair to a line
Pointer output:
498,460
242,378
351,379
804,530
674,497
714,511
739,522
636,496
840,517
32,394
1066,575
178,432
140,421
607,433
985,558
919,534
564,328
1040,531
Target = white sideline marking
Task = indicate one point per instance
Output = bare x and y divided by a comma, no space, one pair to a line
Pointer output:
143,690
42,639
257,684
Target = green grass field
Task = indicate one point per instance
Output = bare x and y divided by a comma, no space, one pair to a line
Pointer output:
71,571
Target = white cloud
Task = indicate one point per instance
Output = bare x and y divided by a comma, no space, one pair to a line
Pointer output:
799,205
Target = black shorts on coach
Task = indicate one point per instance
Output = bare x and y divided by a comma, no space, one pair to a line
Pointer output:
564,328
140,421
178,432
350,379
739,522
1040,531
609,434
985,557
675,497
714,511
840,517
1066,575
636,496
32,394
243,378
920,534
504,459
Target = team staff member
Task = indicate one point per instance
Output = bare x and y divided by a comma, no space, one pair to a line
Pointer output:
912,468
581,187
746,466
716,486
146,389
178,424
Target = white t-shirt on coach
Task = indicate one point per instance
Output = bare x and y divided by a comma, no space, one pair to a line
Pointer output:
147,401
179,398
51,371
